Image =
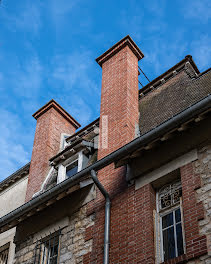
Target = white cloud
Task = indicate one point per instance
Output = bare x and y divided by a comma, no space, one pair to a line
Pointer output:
27,78
201,51
13,154
74,71
81,110
199,10
73,74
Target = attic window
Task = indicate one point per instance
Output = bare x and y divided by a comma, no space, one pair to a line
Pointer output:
72,169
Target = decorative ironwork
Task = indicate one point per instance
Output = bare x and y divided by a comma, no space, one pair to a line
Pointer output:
170,195
46,250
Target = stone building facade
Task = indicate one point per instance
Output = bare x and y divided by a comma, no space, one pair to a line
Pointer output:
151,151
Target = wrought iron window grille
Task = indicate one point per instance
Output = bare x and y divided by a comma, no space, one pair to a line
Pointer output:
171,222
4,256
47,249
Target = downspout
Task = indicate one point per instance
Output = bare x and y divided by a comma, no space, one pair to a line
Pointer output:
107,216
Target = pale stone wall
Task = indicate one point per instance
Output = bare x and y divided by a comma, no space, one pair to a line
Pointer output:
72,241
202,166
13,196
10,199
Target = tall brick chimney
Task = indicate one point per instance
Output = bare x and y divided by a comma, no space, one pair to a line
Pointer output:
119,113
119,116
52,121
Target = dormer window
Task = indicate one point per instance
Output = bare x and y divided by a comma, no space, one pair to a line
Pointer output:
72,166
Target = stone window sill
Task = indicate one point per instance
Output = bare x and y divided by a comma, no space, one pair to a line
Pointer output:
179,260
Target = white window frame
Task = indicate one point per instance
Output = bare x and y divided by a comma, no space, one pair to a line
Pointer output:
161,213
82,161
63,143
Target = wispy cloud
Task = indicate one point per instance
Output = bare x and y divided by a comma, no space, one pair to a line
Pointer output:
28,77
201,51
73,73
200,10
13,154
75,70
27,18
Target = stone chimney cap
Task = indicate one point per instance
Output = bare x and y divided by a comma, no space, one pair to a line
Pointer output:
57,107
126,41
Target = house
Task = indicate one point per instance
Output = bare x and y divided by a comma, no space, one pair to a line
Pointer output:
131,187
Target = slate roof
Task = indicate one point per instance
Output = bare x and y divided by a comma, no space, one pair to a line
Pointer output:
171,97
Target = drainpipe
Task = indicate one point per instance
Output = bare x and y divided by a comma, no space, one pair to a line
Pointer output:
107,216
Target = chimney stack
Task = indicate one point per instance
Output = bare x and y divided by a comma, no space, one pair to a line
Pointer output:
119,113
52,121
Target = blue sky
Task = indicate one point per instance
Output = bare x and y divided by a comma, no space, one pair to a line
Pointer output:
48,50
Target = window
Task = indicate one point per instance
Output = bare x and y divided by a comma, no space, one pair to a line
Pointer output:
171,228
72,169
4,252
46,251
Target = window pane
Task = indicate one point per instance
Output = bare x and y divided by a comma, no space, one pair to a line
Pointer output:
168,243
167,220
72,169
178,215
180,247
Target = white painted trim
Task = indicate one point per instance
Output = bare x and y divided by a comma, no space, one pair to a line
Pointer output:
165,169
82,161
61,173
62,141
47,178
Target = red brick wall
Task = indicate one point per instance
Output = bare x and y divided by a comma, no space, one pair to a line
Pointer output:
119,99
132,239
49,127
193,212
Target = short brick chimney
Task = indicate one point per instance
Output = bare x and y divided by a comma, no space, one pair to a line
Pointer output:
119,113
52,121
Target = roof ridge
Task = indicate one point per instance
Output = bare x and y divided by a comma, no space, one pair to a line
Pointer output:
170,73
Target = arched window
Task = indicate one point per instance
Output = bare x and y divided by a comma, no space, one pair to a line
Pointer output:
171,227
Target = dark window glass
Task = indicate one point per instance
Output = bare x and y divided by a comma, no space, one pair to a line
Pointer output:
178,215
72,169
180,247
169,243
167,220
172,235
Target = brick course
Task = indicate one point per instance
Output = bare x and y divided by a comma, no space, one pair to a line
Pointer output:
47,138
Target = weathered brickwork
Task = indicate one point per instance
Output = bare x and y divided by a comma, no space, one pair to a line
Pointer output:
74,243
50,125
